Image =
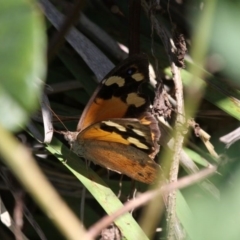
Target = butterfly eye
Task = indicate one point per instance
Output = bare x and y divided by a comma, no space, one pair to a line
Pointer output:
131,71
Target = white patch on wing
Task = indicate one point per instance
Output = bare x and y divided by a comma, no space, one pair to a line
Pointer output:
114,79
137,143
134,99
138,76
138,132
116,125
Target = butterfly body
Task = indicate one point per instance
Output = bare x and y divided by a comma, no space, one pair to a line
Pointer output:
115,131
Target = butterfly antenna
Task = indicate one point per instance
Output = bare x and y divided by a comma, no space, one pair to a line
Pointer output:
59,121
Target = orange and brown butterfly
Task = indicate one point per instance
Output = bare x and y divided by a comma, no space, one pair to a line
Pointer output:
115,129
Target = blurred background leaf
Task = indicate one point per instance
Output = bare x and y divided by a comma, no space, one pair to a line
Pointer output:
22,61
225,40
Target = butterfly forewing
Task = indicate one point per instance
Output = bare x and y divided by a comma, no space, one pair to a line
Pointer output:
117,95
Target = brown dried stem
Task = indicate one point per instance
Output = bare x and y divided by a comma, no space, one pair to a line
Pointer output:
171,52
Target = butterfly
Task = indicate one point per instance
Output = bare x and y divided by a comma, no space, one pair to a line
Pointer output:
116,130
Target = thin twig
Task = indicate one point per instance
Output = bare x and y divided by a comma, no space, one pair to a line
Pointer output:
47,119
204,136
231,137
171,210
142,199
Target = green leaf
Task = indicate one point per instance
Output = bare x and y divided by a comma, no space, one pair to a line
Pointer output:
98,188
216,93
22,63
184,214
227,18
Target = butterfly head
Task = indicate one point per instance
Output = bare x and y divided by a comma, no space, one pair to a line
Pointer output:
70,136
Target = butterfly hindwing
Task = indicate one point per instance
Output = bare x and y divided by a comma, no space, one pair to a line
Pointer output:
121,158
121,145
123,131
